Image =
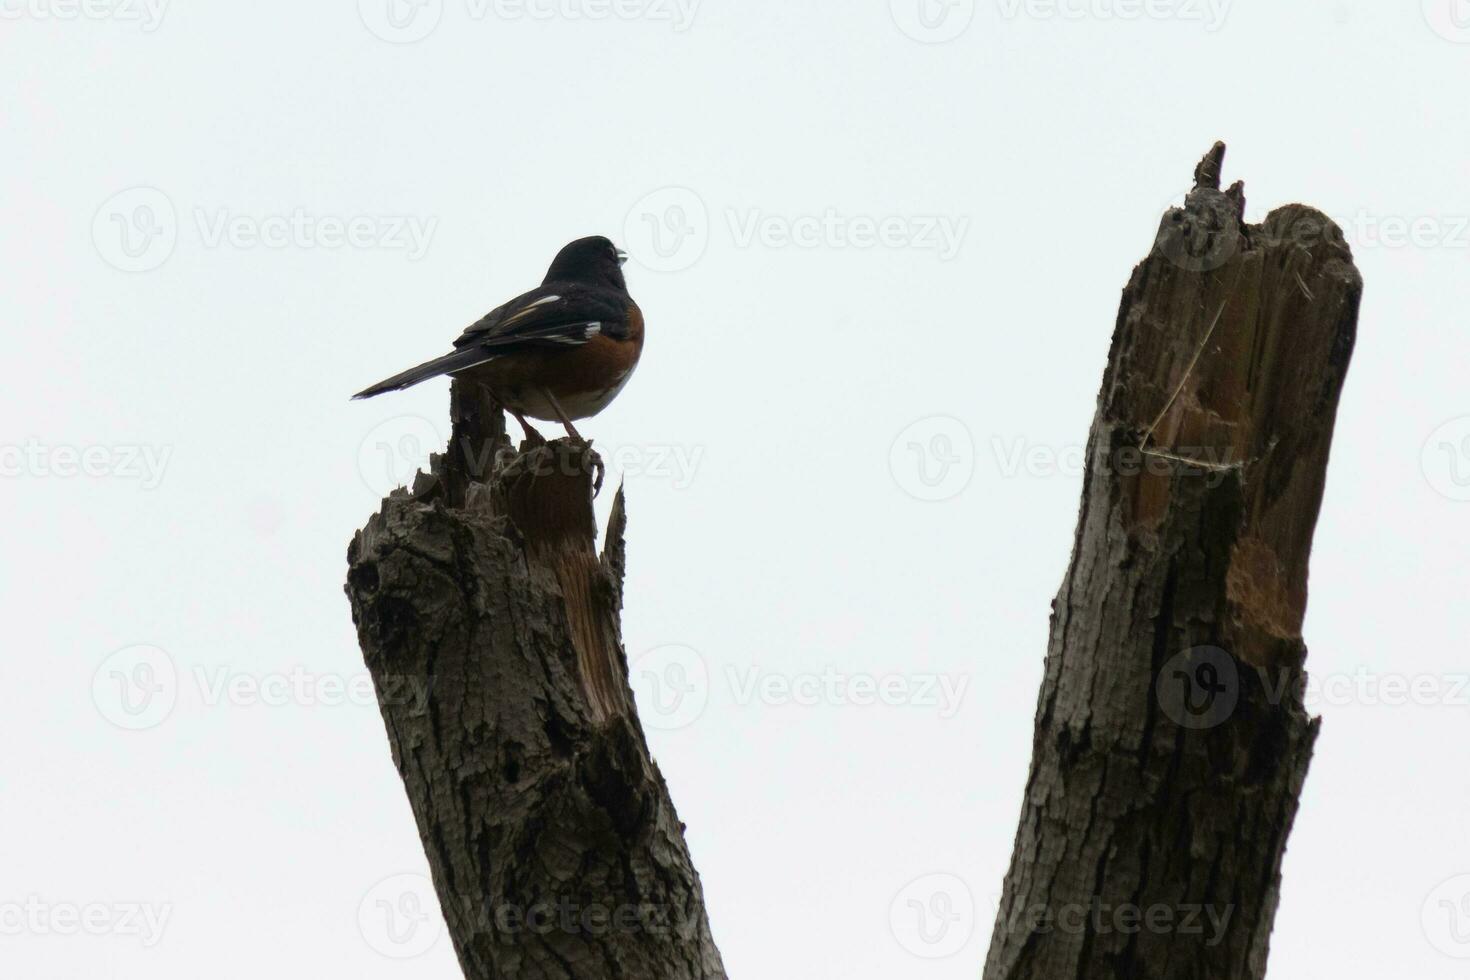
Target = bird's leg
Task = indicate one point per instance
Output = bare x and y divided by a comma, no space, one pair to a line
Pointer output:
532,436
599,470
561,416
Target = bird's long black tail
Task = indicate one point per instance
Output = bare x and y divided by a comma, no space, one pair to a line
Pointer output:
458,361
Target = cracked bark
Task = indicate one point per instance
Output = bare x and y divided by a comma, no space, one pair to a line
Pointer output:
490,625
1171,742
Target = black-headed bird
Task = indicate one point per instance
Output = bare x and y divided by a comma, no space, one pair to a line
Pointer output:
560,352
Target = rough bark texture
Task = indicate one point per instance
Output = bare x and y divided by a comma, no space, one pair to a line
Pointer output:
553,843
1171,741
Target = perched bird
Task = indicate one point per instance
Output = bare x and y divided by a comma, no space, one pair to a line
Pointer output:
563,351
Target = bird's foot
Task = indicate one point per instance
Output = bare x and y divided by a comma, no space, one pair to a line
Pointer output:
599,470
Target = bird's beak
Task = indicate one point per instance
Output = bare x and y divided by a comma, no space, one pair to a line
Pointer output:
622,256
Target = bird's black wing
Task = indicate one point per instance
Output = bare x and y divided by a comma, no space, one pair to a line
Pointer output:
553,315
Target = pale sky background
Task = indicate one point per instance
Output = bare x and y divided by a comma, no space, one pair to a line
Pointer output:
221,220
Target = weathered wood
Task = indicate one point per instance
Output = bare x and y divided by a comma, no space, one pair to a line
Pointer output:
554,846
1171,741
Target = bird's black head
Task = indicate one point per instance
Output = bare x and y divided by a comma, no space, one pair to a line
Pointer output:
590,260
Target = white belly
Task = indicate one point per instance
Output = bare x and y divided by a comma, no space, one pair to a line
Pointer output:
579,406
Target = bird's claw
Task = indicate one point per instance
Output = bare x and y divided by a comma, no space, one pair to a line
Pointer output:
599,470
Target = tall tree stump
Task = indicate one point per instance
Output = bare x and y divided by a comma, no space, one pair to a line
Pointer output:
553,843
1171,740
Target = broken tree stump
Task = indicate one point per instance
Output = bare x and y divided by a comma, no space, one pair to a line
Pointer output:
553,843
1171,742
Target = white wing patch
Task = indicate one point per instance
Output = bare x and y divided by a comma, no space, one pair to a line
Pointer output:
529,307
569,334
589,330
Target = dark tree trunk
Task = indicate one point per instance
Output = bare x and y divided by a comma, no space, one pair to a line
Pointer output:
554,846
1171,740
